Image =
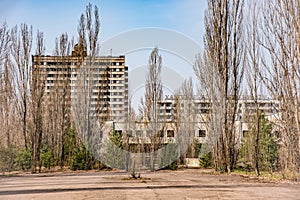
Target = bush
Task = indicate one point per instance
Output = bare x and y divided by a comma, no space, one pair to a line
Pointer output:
172,166
205,160
169,157
47,157
82,159
23,159
7,156
268,157
114,156
69,148
205,156
245,167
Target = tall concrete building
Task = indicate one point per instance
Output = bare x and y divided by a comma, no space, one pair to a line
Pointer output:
109,83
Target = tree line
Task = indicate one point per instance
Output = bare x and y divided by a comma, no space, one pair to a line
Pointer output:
36,131
252,49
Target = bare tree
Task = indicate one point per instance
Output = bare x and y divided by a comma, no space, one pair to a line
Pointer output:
37,106
254,80
8,106
187,114
21,54
4,40
280,38
220,71
63,52
88,30
6,88
153,95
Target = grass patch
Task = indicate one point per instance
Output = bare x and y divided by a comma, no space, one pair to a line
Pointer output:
275,176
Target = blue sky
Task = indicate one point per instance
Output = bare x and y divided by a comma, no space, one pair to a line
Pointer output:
54,17
59,16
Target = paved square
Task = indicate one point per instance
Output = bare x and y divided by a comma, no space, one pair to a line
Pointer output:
181,184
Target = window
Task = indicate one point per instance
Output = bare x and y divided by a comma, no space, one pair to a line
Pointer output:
202,133
245,133
129,133
51,63
149,133
204,111
170,133
139,133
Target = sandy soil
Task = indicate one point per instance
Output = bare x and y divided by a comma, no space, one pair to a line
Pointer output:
181,184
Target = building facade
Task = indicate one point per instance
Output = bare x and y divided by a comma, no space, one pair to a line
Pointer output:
193,118
106,76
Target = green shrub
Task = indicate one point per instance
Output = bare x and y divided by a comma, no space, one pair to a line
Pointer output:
23,159
205,160
47,157
7,156
245,167
268,156
172,166
205,156
169,157
82,159
114,155
69,146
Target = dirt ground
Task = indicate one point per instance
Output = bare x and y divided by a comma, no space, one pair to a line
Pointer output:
181,184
